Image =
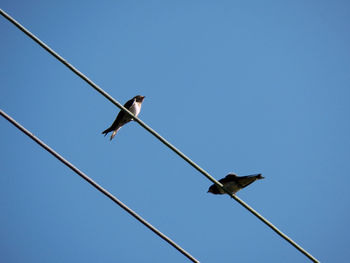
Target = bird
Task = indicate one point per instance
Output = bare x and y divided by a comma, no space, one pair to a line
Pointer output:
134,106
234,183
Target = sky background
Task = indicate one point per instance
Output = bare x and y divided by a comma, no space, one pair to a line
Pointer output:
238,86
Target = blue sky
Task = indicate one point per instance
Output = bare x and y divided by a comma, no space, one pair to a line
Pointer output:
238,86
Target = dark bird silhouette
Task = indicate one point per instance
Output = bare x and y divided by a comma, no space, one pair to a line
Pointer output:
234,183
134,106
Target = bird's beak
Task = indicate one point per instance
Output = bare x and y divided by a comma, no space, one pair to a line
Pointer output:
143,97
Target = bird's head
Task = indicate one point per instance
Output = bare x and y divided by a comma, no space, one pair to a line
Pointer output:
139,98
213,189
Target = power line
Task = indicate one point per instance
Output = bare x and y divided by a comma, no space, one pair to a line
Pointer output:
97,186
159,137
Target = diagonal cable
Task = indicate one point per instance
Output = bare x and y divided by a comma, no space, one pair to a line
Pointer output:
159,137
97,186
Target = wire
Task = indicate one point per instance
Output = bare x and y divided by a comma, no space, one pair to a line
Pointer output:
159,137
97,186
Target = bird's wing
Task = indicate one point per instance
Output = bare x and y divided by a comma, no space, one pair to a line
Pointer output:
129,103
244,181
121,115
229,178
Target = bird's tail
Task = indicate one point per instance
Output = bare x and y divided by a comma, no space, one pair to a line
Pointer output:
107,131
113,129
113,134
259,176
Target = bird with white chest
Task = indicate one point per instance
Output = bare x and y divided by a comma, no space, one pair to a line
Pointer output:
134,106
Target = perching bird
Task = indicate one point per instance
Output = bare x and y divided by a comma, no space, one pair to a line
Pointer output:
234,183
134,106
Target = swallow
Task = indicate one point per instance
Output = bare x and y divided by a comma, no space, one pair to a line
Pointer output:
134,106
234,183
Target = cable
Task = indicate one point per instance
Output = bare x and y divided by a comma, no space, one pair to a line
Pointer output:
98,187
159,137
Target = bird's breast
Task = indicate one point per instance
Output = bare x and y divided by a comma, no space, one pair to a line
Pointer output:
232,187
135,108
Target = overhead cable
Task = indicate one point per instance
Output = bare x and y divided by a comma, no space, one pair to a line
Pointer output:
98,187
158,136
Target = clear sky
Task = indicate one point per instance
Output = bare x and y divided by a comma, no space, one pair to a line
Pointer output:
238,86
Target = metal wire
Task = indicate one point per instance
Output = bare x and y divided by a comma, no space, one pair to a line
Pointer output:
97,186
158,136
